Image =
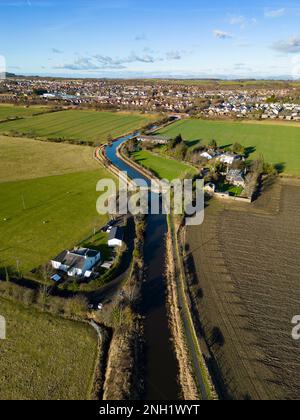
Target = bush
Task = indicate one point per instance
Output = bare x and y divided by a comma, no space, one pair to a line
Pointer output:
77,306
213,144
175,142
238,149
180,151
269,169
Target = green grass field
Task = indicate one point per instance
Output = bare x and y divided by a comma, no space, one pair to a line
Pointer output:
11,111
79,125
41,215
22,158
163,167
44,357
277,143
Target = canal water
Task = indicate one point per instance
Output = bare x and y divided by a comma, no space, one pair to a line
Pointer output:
161,368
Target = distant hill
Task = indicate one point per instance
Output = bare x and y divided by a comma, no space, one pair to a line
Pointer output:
10,75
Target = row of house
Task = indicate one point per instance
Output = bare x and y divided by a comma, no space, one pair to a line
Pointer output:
274,111
226,158
232,175
153,139
211,99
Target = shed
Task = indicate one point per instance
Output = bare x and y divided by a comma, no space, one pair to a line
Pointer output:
116,236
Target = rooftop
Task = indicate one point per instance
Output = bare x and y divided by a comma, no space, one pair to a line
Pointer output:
154,138
75,258
116,233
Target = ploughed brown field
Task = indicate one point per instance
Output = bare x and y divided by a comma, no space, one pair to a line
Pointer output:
246,291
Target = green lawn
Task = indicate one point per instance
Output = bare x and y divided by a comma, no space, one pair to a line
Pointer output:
233,190
100,243
47,200
11,111
59,212
164,168
277,143
79,125
44,357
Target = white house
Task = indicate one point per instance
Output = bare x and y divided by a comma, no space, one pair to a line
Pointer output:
210,154
206,155
153,139
49,96
77,263
229,158
116,237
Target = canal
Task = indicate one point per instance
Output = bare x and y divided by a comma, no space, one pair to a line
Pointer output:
161,370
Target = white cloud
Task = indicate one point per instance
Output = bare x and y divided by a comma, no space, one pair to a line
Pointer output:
140,37
103,62
238,20
173,55
291,46
242,21
272,14
25,3
221,34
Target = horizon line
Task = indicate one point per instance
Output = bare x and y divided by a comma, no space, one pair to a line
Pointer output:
157,77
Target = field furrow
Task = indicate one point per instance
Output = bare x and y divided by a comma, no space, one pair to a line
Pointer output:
247,267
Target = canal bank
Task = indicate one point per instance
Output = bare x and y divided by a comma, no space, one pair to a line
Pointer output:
161,368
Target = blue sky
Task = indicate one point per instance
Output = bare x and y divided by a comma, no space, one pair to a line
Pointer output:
129,38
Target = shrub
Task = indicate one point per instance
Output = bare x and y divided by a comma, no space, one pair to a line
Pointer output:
77,306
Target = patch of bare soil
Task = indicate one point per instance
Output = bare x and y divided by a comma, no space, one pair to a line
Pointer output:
245,292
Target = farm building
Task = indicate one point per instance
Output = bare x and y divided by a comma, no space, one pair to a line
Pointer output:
210,154
153,139
116,237
229,158
77,263
235,177
49,96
